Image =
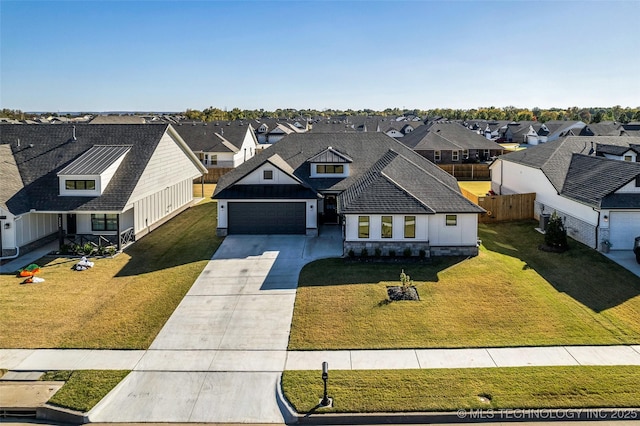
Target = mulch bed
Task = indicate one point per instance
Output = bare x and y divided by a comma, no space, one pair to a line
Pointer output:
397,293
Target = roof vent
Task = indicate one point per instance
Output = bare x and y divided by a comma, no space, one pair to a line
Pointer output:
18,142
591,151
73,138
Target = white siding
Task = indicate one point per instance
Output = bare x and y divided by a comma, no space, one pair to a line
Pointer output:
168,165
8,235
520,179
629,188
33,226
375,228
247,149
156,206
256,177
464,233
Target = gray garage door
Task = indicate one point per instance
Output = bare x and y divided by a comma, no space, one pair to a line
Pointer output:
267,218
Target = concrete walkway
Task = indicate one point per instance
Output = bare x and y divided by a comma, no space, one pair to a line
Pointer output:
28,258
273,361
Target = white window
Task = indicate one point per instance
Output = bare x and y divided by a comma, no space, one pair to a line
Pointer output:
486,153
628,158
214,160
455,155
451,220
436,156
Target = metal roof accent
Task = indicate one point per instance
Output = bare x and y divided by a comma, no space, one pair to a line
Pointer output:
96,160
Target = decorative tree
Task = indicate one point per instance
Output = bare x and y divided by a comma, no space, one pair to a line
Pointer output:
556,235
405,281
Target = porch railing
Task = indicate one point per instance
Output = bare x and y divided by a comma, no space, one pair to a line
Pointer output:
127,237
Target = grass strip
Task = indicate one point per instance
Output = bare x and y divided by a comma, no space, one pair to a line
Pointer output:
83,388
370,391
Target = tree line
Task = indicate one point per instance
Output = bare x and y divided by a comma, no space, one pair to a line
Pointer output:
510,113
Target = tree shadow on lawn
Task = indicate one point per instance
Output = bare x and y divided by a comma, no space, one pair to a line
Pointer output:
187,238
331,272
581,272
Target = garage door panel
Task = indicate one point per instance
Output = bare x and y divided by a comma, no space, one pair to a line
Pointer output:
267,218
623,228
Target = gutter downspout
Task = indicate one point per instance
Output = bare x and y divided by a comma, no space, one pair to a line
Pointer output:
598,230
13,256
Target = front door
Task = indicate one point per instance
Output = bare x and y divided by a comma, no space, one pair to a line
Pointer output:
71,224
330,209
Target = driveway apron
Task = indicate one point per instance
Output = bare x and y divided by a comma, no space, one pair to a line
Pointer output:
219,356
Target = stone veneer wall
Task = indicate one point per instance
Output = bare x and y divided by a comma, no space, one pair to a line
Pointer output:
385,247
454,251
577,229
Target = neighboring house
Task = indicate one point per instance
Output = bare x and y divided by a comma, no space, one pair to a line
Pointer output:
219,145
604,128
383,194
110,183
592,182
534,133
269,131
450,143
117,119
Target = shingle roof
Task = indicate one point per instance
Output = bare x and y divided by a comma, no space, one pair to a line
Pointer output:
447,136
117,119
590,179
96,160
213,136
11,182
46,150
554,158
382,168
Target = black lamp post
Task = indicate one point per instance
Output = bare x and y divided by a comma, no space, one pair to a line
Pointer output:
325,375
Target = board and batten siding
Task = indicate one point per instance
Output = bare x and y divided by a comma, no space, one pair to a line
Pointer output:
464,233
165,186
33,226
155,207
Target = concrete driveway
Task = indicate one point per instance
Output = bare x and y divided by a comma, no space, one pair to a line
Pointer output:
219,356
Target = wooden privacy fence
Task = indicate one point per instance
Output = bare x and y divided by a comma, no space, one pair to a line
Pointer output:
213,175
472,171
503,208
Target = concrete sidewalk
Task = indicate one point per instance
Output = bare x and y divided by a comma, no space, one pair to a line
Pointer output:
28,258
278,361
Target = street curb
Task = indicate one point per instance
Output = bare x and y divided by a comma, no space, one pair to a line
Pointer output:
290,415
62,415
473,416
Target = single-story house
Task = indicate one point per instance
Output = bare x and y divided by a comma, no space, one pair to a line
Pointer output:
451,143
593,183
219,145
382,193
86,183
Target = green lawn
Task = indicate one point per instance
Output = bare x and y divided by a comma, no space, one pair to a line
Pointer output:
120,303
453,389
83,388
511,294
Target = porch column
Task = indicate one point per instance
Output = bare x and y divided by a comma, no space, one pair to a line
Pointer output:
60,232
118,226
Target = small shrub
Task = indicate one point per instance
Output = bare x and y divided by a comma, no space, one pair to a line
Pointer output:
66,249
378,252
392,253
351,253
407,252
364,253
422,253
556,235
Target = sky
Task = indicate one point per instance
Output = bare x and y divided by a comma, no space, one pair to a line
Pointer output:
169,55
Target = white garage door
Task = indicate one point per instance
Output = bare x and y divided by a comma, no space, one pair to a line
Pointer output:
624,227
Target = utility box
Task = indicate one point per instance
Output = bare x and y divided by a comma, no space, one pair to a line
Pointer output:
544,221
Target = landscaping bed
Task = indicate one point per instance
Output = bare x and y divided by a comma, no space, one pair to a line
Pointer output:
511,294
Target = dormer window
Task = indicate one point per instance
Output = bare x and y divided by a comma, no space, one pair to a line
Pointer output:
90,174
329,169
330,163
89,185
